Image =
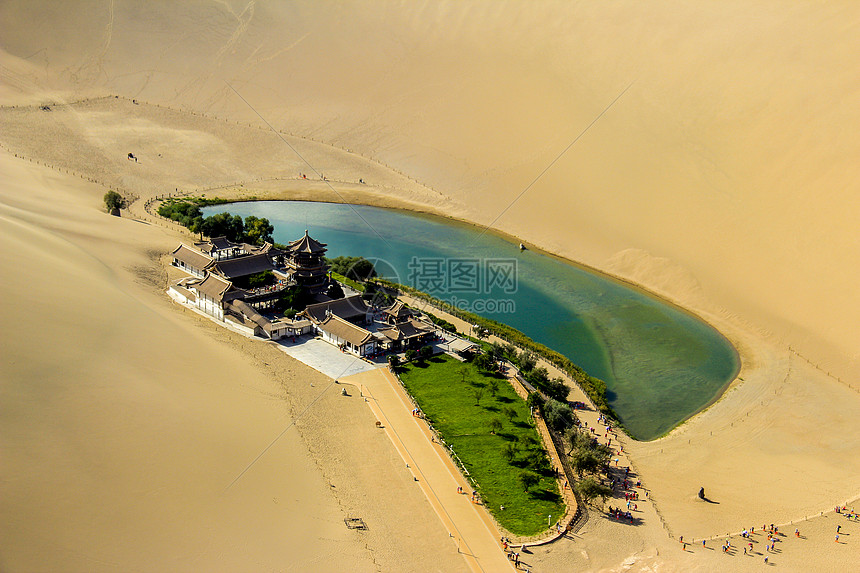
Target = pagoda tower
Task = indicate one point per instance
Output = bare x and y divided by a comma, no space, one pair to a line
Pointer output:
304,260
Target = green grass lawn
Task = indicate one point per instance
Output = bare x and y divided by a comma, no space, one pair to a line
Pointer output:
348,282
449,404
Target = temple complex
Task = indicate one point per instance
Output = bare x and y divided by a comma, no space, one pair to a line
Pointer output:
244,285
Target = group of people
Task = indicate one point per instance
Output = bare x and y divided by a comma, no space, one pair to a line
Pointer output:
474,496
848,513
512,555
773,535
617,513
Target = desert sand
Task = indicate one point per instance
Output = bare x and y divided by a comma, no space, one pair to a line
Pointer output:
724,179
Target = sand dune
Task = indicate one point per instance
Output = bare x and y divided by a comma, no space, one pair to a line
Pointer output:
725,179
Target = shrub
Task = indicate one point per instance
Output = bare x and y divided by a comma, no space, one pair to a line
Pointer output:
495,425
558,415
528,480
485,362
114,201
591,490
261,279
425,352
410,355
354,268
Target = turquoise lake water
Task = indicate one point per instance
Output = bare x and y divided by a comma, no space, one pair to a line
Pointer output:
661,365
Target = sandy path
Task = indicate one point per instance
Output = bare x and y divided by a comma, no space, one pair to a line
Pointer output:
468,524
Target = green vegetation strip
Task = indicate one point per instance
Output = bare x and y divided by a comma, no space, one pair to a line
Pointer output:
593,387
465,405
347,281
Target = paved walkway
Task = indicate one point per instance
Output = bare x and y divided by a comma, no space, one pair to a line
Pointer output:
468,524
325,357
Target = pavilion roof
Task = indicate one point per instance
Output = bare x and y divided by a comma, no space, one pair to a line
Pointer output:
398,310
307,244
405,330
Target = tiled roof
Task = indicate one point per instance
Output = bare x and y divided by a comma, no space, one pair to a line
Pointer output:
349,308
191,257
307,245
243,266
346,330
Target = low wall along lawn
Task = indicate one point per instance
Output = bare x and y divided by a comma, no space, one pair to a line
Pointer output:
445,390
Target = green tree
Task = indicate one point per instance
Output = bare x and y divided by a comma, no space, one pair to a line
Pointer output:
526,361
509,412
497,351
410,355
509,452
593,490
355,268
294,297
537,377
464,371
425,352
493,387
478,393
528,441
535,400
485,362
577,439
586,460
224,224
258,230
261,279
335,291
394,360
557,389
495,425
528,480
537,460
114,201
558,415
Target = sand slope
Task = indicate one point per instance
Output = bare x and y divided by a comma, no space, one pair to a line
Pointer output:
124,423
